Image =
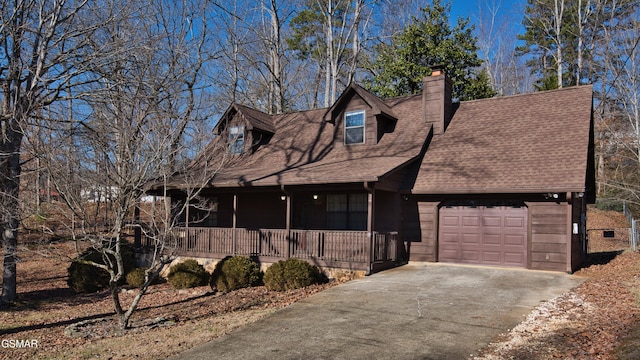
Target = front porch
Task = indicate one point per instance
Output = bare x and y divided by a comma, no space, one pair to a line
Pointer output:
353,250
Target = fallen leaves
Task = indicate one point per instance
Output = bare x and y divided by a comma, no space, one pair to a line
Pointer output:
588,322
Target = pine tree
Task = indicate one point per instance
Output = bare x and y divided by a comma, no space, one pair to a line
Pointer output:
429,40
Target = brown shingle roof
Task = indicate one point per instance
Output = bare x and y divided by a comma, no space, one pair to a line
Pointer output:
303,151
526,143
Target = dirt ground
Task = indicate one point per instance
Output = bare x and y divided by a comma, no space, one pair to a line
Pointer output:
598,320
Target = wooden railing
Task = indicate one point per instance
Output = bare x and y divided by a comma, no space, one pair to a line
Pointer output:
325,246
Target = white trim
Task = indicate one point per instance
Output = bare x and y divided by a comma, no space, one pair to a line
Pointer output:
364,126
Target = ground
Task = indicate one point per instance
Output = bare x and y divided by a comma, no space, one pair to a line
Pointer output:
598,320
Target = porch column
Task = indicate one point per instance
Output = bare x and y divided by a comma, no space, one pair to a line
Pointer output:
371,198
186,216
288,225
234,221
370,216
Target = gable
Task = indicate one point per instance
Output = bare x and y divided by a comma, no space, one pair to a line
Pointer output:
255,127
378,116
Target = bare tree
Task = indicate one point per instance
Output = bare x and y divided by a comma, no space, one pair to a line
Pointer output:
619,108
44,52
130,129
328,32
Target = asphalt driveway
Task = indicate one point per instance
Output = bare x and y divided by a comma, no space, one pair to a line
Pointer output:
417,311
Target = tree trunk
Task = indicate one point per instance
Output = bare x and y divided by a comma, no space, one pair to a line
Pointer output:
559,10
10,166
115,296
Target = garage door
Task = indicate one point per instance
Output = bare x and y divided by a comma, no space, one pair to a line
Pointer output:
489,235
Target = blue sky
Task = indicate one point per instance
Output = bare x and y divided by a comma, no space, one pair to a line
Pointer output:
510,11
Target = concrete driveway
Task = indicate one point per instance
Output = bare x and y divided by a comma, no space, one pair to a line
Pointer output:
417,311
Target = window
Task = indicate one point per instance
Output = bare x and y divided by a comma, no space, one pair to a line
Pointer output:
354,127
236,139
347,211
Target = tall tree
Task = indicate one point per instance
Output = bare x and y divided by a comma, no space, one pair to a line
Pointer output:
430,40
546,38
496,43
253,69
618,110
562,38
327,32
44,52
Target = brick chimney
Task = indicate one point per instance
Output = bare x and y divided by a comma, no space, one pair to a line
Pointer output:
436,100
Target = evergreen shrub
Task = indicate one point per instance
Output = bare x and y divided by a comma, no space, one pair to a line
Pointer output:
187,274
292,274
236,272
87,278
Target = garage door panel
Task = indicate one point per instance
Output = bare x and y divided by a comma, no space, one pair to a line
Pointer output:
450,238
470,221
471,239
492,222
515,240
470,255
484,235
491,240
491,257
450,221
514,259
514,222
449,255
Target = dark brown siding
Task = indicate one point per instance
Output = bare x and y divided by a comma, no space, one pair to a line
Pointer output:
225,210
424,249
386,211
548,235
261,210
577,253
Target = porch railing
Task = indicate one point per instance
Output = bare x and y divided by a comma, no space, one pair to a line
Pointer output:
327,246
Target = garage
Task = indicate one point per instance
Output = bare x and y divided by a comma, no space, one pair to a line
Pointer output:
487,235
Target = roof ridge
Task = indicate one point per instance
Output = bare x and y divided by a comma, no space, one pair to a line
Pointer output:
535,93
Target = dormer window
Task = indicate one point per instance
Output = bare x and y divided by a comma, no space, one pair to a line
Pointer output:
354,127
236,139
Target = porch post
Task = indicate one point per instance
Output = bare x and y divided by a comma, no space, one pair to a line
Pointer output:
234,221
186,217
370,222
288,225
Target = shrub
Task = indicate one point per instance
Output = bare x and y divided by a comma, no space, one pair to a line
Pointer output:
234,273
292,274
86,278
274,278
135,277
187,274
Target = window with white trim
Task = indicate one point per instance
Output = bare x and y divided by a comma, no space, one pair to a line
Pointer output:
354,127
236,139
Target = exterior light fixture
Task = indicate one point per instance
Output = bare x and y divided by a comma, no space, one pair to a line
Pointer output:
283,197
315,196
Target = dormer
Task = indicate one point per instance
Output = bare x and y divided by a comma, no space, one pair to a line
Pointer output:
245,129
360,117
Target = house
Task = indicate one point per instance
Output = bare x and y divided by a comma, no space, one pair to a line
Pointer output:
369,183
